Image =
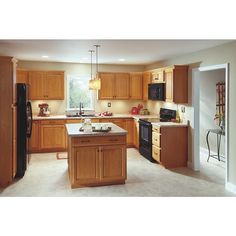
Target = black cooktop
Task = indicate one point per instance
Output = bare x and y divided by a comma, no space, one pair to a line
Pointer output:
166,115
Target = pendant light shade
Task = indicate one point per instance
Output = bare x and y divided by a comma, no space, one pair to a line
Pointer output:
95,84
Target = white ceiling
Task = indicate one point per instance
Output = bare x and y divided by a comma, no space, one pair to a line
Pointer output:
140,52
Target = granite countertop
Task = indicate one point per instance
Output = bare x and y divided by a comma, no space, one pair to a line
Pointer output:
58,117
73,130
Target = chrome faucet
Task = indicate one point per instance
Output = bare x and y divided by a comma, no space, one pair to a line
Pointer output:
80,108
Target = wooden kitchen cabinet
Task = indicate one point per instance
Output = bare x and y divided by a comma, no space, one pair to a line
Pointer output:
136,86
34,144
125,124
146,81
129,129
170,145
22,76
107,86
113,160
122,85
46,85
52,135
54,86
8,124
87,166
114,86
36,85
97,160
158,76
176,79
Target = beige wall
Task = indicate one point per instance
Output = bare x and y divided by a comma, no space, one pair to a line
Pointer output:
59,107
214,56
208,80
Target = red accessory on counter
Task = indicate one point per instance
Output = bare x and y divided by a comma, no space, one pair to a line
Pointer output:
134,111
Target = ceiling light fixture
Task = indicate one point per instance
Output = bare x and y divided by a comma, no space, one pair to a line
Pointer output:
121,59
45,56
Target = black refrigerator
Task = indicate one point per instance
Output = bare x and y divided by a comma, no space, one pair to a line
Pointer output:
24,128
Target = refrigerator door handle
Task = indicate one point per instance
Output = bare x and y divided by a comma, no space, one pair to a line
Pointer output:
29,119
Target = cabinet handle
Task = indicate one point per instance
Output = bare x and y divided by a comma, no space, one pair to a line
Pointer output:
155,153
113,140
155,139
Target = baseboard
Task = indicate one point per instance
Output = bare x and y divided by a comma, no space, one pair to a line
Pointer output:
230,187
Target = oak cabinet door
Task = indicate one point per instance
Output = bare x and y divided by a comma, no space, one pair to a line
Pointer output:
169,85
146,81
87,164
107,86
22,76
136,86
52,137
36,85
121,86
176,79
130,130
54,85
113,163
35,136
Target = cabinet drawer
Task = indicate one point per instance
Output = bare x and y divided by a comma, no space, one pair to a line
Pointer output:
52,122
70,121
156,129
156,153
156,139
89,141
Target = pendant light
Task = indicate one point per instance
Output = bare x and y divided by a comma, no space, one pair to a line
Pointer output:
97,80
91,81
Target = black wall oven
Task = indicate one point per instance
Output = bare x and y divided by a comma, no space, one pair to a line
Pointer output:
145,139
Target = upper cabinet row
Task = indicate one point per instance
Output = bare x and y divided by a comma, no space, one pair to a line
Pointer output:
49,85
121,86
44,85
115,86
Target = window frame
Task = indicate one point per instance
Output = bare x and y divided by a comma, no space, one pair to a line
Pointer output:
68,94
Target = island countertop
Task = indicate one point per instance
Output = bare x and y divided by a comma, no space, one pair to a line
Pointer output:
73,130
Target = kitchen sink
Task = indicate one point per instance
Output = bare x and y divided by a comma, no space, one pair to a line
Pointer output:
88,115
83,115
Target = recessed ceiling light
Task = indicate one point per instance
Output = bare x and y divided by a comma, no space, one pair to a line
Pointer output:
121,59
45,56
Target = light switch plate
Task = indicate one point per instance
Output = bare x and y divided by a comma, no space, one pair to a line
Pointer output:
109,104
183,109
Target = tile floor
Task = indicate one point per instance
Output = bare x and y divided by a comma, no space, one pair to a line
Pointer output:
47,177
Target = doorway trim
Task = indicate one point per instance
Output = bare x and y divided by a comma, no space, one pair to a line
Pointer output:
196,117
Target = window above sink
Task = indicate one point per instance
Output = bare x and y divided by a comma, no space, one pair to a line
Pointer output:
78,92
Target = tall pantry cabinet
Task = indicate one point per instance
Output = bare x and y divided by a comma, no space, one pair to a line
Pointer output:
7,120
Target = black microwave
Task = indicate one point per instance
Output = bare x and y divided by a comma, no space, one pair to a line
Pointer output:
156,91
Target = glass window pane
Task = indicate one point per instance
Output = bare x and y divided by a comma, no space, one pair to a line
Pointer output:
78,92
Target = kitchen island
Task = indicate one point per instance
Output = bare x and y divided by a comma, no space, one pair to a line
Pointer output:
96,158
